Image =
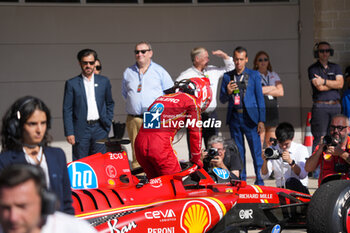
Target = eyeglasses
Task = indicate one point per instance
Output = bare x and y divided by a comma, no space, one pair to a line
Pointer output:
338,127
88,62
261,59
324,50
98,68
143,51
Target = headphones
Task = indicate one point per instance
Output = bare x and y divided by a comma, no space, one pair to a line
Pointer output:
315,50
48,198
13,128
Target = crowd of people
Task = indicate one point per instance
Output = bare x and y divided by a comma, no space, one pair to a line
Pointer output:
252,111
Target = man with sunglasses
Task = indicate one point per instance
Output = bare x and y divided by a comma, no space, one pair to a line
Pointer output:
87,108
98,66
326,80
143,82
333,154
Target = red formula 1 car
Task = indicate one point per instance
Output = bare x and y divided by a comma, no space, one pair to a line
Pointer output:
114,199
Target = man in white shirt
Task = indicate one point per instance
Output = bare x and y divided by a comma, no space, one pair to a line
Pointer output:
27,206
200,68
288,161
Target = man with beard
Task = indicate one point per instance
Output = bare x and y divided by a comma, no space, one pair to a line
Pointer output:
87,108
333,154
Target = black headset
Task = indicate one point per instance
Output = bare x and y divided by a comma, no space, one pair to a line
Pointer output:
315,50
48,198
13,128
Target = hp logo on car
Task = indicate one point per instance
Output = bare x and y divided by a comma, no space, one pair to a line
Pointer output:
82,176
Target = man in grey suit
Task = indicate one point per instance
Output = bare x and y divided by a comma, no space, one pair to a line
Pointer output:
87,108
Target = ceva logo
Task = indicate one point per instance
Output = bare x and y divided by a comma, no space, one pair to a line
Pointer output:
163,214
82,176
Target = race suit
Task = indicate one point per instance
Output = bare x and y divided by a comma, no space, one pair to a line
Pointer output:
153,146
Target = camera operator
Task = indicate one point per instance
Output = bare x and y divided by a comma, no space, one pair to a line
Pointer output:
333,152
287,161
222,160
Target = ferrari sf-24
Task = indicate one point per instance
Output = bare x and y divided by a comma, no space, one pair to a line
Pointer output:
116,199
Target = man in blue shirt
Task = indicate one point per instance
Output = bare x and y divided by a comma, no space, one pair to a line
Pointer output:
143,82
326,80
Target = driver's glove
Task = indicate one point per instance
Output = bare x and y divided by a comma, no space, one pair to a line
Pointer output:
197,160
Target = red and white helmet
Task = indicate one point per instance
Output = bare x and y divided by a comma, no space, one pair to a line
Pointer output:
199,88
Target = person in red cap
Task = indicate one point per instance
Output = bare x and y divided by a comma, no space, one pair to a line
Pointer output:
167,114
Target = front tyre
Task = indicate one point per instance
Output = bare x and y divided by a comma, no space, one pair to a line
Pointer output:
329,207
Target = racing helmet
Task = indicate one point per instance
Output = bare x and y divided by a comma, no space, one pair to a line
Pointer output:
199,88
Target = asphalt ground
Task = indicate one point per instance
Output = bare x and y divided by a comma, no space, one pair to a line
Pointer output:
312,185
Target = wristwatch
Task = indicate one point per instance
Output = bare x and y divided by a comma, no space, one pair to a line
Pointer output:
292,163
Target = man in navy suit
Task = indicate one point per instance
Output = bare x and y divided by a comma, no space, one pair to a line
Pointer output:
87,108
241,88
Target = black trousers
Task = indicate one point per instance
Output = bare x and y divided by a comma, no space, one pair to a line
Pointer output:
320,120
293,183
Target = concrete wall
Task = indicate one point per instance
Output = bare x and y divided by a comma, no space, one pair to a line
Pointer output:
332,24
306,42
39,43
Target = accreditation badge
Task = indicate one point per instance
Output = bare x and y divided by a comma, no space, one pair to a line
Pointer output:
237,100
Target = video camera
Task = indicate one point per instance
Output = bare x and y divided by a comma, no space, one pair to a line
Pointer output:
270,152
329,141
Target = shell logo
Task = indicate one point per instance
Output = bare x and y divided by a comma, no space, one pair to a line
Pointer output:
195,217
111,182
